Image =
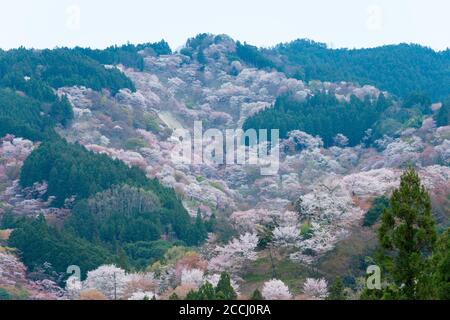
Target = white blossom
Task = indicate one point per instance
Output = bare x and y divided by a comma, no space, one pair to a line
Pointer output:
140,295
276,290
192,277
317,288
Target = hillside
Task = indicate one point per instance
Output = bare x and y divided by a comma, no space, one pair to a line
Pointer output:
93,174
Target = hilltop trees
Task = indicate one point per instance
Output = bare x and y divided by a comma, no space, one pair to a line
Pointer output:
127,54
35,72
399,69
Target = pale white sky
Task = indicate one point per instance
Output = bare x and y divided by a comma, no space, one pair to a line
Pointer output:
343,23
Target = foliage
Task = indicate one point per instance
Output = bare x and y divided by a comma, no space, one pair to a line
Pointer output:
108,279
29,118
322,115
39,243
337,290
276,290
399,69
257,295
127,54
407,236
223,290
317,288
252,56
440,267
443,115
71,170
35,72
373,214
4,295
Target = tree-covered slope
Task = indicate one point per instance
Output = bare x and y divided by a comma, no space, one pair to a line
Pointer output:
399,69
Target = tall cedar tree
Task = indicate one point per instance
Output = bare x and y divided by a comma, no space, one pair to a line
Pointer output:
337,290
407,235
224,288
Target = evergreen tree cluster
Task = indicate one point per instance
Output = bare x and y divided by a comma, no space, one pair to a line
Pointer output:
253,56
442,117
36,72
39,243
118,214
374,213
321,115
399,69
223,290
29,118
127,54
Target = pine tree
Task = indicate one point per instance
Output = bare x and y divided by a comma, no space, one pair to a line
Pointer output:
443,115
337,290
257,295
206,292
122,259
440,267
174,296
407,235
224,287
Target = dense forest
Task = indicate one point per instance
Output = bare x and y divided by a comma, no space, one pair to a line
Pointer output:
41,243
128,54
399,69
36,72
276,236
29,106
113,204
324,115
27,117
443,116
92,184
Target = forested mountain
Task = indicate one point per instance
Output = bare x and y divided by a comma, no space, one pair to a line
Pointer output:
93,174
30,108
35,72
399,69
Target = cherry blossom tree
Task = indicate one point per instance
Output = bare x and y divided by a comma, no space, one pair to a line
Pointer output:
285,236
141,295
340,140
317,288
108,279
192,277
276,290
232,256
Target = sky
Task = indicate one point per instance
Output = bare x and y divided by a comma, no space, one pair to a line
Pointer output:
343,23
